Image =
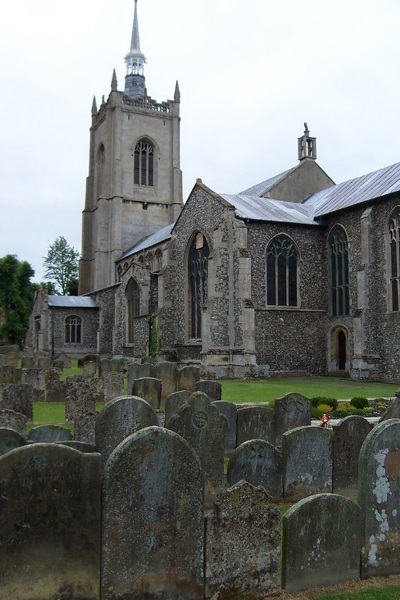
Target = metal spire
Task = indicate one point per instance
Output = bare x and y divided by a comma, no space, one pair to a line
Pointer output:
135,59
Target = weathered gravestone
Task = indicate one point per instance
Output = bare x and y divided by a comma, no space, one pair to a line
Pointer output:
307,462
13,420
10,439
229,410
89,368
149,389
12,359
104,367
49,523
49,433
173,403
148,359
243,545
118,419
213,389
81,446
84,428
27,362
152,525
10,374
348,437
321,543
52,374
291,411
255,423
56,391
187,378
392,411
82,394
204,428
379,493
44,362
259,463
167,372
133,373
3,360
113,386
18,397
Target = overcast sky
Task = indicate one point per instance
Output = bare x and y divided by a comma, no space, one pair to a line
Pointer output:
250,74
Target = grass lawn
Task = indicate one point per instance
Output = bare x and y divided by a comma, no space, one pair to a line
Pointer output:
383,593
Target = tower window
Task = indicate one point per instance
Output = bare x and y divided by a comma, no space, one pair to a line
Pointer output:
282,257
143,163
198,283
132,294
339,267
394,276
73,330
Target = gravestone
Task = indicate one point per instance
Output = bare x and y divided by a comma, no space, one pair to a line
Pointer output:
52,374
10,374
84,428
255,423
259,463
133,373
153,529
3,360
229,410
149,389
378,497
113,386
187,378
44,362
167,372
204,428
13,420
82,396
243,545
392,411
12,359
17,397
173,403
118,419
321,543
348,437
89,368
213,389
56,391
27,362
48,434
81,446
35,377
148,359
307,462
9,440
293,410
50,523
146,370
104,367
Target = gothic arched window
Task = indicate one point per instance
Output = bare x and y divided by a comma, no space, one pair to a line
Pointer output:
73,330
339,271
282,259
198,282
143,163
132,294
394,273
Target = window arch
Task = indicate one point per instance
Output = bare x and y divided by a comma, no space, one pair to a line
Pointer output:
394,249
143,163
132,294
198,282
100,170
339,271
73,330
282,279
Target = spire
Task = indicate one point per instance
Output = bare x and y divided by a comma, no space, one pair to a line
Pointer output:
177,94
307,145
114,82
94,106
135,59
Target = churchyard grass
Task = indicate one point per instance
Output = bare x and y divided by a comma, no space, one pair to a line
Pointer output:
381,593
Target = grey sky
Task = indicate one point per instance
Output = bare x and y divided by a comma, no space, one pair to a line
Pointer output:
250,74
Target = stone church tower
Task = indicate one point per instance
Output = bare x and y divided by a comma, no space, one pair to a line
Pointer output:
134,185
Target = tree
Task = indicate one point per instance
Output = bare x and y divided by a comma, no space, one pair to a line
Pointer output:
16,296
62,266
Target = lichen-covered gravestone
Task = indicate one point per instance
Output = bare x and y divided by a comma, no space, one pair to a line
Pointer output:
149,389
113,385
259,463
152,529
229,410
379,493
49,433
173,403
348,437
255,423
167,373
10,439
213,389
187,377
243,545
321,542
293,410
13,420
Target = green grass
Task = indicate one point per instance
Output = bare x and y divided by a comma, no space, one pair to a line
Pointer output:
382,593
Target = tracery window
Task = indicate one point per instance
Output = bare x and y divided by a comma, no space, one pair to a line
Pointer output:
282,278
394,277
132,294
143,163
339,271
73,330
198,283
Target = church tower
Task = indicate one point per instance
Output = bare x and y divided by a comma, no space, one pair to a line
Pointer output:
134,186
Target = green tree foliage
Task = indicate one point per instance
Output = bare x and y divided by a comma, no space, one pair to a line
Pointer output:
16,296
62,266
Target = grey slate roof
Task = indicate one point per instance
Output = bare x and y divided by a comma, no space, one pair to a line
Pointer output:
151,240
71,302
260,189
266,209
350,193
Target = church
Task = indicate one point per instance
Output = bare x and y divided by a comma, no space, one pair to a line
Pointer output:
294,275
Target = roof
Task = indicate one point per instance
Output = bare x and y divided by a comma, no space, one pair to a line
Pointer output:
260,189
71,302
266,209
350,193
159,236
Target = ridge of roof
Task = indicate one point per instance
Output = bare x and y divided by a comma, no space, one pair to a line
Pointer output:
265,186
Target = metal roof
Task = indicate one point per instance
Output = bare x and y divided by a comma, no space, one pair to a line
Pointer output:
266,209
265,186
350,193
151,240
71,302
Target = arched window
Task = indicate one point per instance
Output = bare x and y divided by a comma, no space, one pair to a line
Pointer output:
198,283
282,259
132,294
339,271
143,163
100,170
394,277
73,330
